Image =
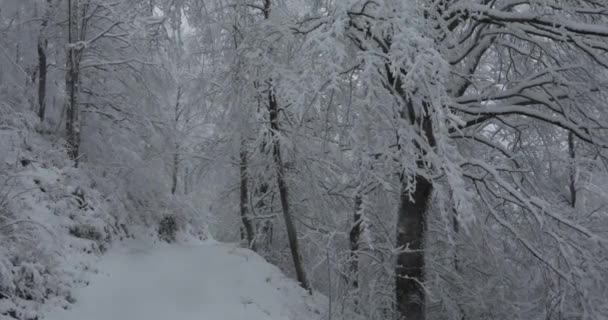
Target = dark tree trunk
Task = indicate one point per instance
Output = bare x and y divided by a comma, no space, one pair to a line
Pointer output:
72,87
73,112
283,191
355,237
456,229
42,62
263,231
42,67
292,235
175,170
176,142
411,224
572,153
249,234
410,262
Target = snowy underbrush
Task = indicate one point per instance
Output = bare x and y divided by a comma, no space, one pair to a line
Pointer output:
52,220
55,220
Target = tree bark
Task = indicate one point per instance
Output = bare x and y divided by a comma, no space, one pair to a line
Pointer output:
42,64
72,88
572,153
176,145
283,191
355,237
410,262
573,195
411,225
175,170
263,233
456,229
73,112
249,234
292,235
186,181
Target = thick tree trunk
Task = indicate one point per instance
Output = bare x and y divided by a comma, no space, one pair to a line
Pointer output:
411,225
410,262
249,234
283,191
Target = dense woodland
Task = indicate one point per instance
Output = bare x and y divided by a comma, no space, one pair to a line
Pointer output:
408,159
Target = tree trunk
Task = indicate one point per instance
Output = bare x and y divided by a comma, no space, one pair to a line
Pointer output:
411,223
410,262
283,191
263,231
186,181
175,170
176,145
573,195
73,112
355,237
292,235
72,87
42,64
248,235
456,229
572,153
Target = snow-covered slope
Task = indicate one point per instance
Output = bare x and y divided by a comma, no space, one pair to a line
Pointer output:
210,281
53,221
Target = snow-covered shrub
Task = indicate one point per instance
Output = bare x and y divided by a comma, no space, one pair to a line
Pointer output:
89,232
30,282
167,228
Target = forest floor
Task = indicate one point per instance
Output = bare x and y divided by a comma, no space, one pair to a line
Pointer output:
210,281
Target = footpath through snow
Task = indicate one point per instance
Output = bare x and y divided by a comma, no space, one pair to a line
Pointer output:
211,281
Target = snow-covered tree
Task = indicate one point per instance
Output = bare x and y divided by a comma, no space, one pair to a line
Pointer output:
411,159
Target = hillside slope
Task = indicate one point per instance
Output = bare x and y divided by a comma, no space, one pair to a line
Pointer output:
207,281
55,219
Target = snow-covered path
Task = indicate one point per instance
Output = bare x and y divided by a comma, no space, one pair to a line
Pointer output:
204,282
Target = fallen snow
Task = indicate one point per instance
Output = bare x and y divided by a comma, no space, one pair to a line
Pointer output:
210,281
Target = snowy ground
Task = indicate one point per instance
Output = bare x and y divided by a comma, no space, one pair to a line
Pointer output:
211,281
